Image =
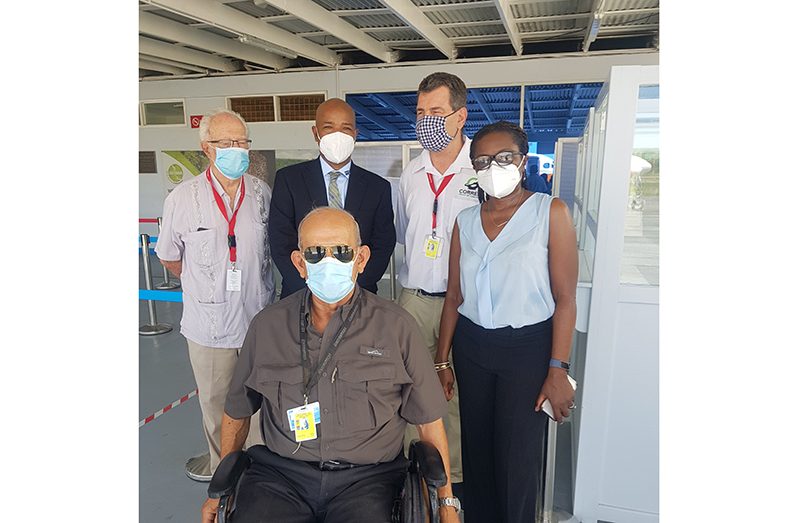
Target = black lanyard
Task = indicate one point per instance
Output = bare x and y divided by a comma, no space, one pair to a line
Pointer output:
310,377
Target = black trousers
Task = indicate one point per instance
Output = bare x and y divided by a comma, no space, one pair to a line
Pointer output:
500,373
275,489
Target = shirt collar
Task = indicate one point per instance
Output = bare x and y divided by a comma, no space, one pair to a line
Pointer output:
326,168
343,309
219,187
463,160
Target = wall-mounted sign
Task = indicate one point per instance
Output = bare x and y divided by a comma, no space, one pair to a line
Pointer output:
195,120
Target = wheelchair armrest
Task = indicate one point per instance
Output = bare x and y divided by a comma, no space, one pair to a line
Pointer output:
224,480
429,462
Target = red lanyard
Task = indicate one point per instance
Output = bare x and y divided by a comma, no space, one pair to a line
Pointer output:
231,222
437,192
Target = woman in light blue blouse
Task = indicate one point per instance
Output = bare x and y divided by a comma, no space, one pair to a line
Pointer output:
509,315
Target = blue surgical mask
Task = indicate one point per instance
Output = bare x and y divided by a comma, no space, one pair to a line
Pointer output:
232,162
431,132
330,280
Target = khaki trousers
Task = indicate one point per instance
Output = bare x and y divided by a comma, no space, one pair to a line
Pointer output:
427,312
213,372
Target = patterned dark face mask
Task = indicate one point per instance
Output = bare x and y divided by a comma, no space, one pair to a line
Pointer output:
431,132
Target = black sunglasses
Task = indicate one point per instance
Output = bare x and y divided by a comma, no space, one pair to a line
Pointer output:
316,253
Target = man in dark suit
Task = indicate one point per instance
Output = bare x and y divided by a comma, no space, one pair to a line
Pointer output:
332,180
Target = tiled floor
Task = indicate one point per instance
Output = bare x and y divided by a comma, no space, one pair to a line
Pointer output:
165,493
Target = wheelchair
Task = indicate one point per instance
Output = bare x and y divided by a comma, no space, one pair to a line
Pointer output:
417,501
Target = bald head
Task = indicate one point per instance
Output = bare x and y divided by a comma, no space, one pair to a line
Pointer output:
328,226
334,115
334,106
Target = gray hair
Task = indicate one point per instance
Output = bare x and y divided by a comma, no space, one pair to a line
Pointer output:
317,210
205,123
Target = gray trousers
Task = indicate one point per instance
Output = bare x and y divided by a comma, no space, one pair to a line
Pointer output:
213,372
427,312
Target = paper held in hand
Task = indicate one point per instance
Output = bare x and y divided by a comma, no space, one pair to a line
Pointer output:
546,407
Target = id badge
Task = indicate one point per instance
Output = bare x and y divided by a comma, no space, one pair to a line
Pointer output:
234,280
292,412
304,424
433,246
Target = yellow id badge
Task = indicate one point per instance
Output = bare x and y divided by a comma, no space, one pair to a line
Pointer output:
432,246
305,425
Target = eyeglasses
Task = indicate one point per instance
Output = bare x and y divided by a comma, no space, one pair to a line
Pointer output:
224,144
316,253
503,158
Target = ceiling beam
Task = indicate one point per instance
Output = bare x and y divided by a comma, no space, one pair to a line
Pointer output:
165,28
594,24
180,65
181,54
214,13
314,14
506,14
368,114
483,104
391,102
161,68
418,21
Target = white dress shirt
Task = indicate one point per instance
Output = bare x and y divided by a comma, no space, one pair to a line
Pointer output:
414,216
342,181
195,232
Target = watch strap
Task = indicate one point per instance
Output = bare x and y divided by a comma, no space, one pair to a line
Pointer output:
559,364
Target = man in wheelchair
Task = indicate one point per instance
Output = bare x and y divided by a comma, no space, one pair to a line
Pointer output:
337,372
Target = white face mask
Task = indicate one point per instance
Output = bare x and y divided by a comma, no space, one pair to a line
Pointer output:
336,147
499,181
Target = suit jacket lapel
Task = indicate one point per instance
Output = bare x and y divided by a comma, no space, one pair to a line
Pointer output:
355,191
314,181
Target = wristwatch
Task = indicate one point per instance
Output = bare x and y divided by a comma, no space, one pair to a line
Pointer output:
450,502
559,364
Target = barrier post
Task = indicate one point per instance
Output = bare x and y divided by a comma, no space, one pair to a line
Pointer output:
166,285
393,275
153,327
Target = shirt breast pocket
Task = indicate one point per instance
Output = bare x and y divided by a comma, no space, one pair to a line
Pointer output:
202,247
282,389
366,393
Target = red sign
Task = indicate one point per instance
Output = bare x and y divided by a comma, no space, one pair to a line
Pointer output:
195,120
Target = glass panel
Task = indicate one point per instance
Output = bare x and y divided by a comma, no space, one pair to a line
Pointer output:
300,107
164,113
640,261
597,159
385,160
254,108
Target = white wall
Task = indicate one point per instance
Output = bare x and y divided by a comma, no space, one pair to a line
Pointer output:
203,94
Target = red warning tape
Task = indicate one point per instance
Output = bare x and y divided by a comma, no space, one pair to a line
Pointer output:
148,220
166,409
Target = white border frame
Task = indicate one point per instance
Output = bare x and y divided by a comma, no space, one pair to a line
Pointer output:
143,116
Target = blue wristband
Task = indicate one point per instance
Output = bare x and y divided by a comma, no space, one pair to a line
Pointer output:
559,364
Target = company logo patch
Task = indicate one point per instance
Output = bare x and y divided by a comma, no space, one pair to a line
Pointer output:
469,188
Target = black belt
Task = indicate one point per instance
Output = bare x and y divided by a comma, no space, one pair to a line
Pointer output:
332,465
433,294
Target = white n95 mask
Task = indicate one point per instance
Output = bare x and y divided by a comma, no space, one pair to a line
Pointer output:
499,180
336,147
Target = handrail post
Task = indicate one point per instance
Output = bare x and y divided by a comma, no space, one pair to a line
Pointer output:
153,327
393,275
166,285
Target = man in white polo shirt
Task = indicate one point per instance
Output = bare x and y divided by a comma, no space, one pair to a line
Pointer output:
433,189
214,238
